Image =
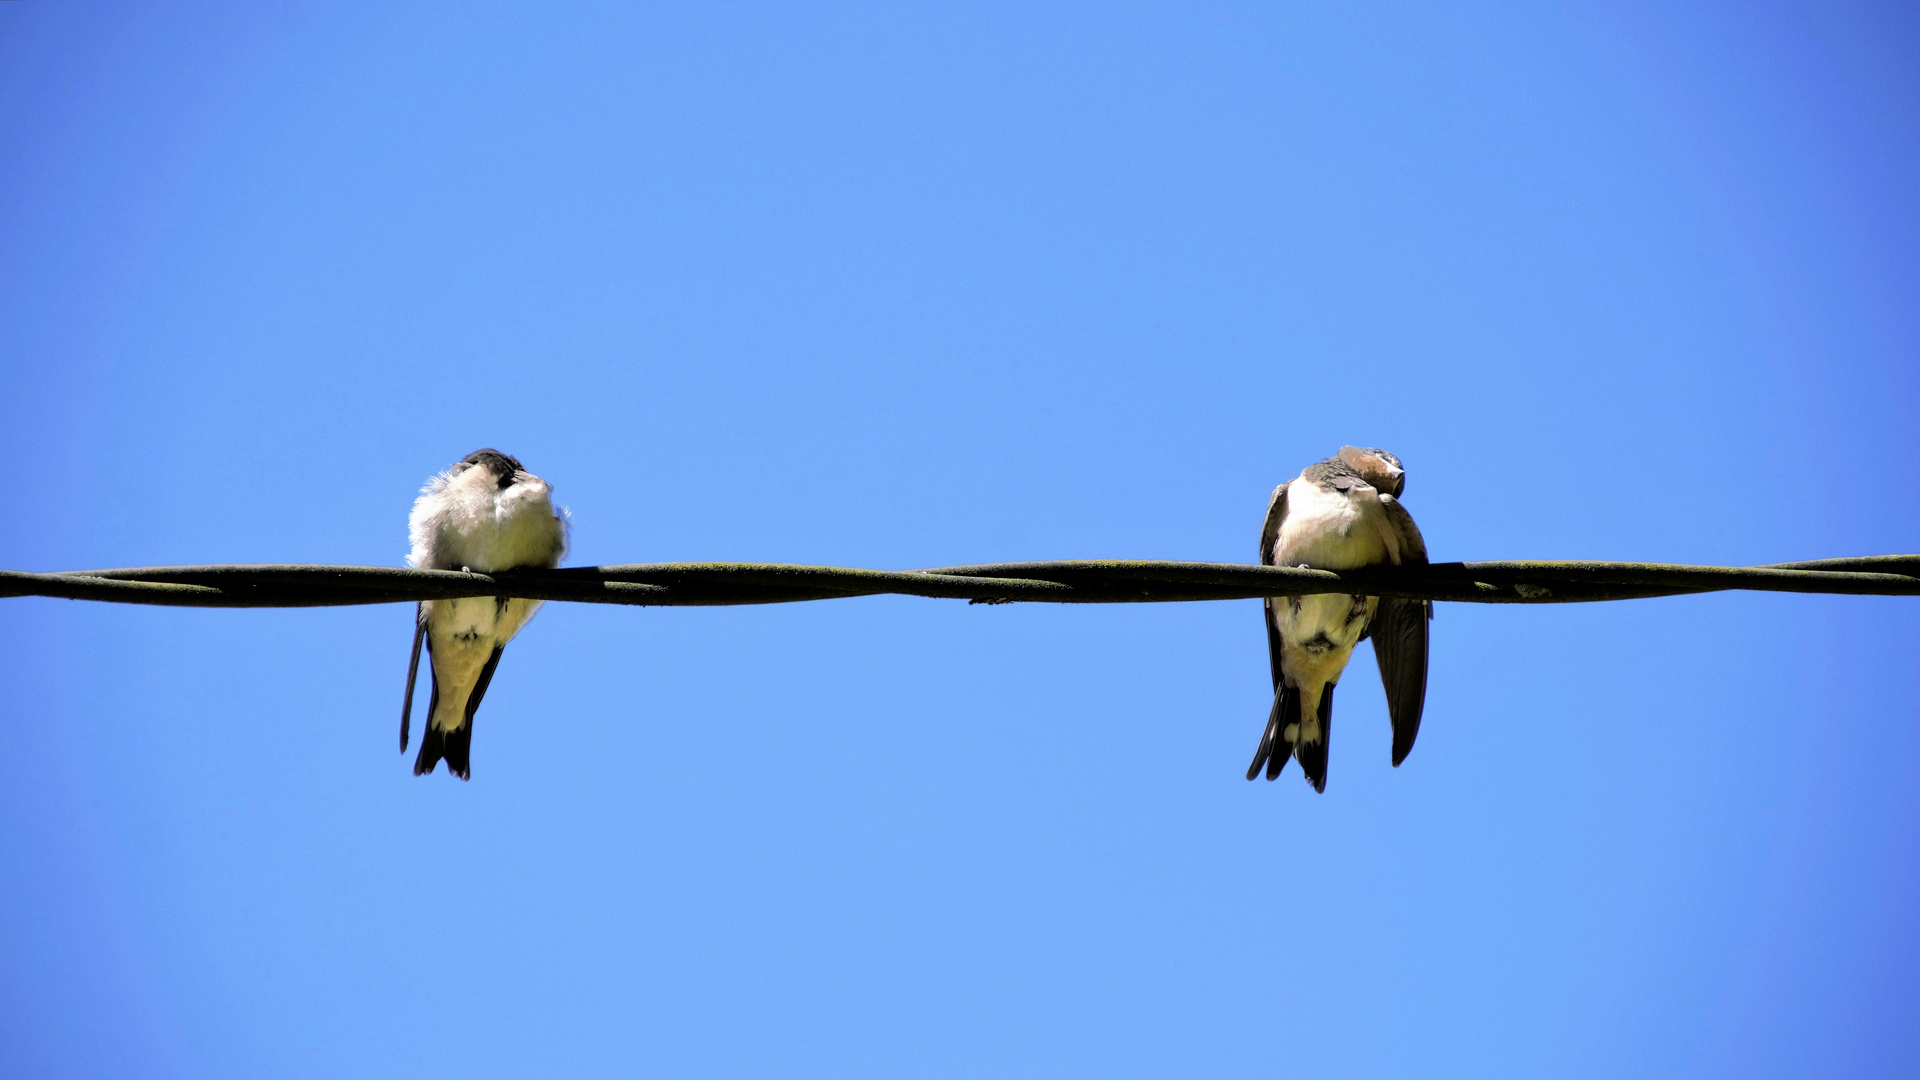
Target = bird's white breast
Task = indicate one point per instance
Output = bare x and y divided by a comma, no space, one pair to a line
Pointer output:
469,521
1330,530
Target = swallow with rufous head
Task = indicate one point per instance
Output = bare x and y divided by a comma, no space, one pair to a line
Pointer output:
1343,513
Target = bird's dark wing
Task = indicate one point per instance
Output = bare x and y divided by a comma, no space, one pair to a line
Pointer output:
1400,647
1413,546
1399,632
1269,536
413,672
1270,531
1274,750
433,741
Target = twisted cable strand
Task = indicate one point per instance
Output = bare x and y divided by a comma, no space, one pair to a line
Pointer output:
1097,581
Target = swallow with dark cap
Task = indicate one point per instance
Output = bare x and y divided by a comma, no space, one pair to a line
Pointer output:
1343,513
485,513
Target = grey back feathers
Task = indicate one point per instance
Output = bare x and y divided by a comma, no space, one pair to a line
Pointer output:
1331,473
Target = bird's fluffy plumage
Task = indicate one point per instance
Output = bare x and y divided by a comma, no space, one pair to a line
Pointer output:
1339,514
486,513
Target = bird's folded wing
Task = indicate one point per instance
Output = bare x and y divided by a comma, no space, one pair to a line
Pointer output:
1399,632
1413,546
1269,539
1270,532
413,672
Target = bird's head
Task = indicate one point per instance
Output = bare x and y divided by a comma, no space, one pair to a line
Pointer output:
1376,467
501,466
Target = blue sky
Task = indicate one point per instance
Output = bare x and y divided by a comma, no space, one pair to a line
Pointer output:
901,287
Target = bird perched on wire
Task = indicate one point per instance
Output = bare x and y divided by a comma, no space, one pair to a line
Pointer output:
1343,513
485,513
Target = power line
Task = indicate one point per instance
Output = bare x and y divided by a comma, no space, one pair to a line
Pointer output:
1094,581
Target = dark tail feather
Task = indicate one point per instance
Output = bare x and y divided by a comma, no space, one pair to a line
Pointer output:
1275,749
436,744
459,741
1313,756
454,745
413,671
430,737
1284,748
433,747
